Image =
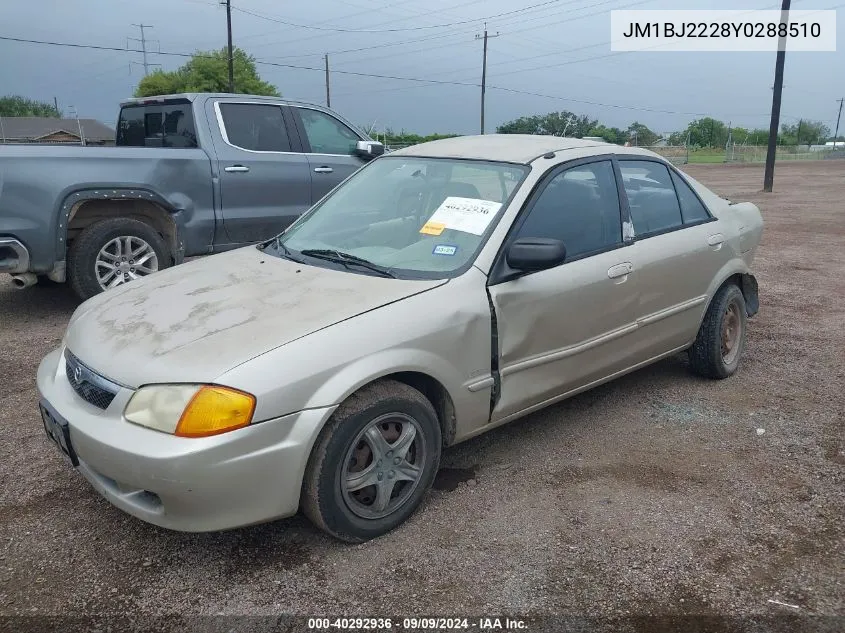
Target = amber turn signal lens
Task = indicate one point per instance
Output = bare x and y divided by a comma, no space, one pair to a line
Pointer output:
215,410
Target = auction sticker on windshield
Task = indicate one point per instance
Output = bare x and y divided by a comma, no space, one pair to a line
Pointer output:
469,215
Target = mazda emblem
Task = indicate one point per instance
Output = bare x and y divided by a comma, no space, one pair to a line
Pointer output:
77,373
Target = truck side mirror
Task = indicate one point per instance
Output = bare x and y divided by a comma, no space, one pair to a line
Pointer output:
369,149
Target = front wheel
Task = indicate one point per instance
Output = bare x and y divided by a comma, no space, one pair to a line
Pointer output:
373,462
113,252
721,338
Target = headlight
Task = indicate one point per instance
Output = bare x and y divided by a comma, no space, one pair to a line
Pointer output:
190,410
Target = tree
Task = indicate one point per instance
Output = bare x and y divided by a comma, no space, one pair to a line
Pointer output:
609,134
15,105
678,138
708,132
562,123
740,135
207,71
804,133
641,135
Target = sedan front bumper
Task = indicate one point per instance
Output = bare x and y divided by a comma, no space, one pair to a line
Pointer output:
239,478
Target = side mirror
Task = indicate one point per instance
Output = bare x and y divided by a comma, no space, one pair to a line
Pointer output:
535,253
369,149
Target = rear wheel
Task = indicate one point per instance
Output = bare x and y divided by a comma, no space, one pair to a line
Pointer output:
113,252
721,337
373,462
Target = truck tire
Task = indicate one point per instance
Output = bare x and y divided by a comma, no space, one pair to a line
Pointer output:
113,252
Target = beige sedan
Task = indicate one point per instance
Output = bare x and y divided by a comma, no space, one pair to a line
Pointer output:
441,291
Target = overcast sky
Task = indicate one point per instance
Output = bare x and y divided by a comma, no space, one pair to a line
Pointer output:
560,49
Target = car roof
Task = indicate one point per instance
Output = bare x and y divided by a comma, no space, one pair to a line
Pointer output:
193,96
512,148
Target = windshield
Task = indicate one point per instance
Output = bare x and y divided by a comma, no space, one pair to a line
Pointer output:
413,217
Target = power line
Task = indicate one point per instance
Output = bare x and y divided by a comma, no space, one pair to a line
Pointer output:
417,80
398,30
455,33
341,18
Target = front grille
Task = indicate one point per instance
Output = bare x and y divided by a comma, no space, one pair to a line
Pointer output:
87,384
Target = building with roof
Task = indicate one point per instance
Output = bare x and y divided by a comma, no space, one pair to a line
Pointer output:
44,130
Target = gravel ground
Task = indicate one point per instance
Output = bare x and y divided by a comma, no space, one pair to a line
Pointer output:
658,494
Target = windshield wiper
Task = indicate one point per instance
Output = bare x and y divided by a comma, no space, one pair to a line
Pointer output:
347,258
283,250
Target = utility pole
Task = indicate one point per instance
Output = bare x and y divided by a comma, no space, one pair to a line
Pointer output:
143,42
328,90
839,116
769,177
56,103
484,71
228,4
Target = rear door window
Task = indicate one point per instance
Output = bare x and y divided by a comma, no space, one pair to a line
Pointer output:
255,127
651,194
691,207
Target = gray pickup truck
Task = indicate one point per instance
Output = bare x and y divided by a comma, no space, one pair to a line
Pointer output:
192,174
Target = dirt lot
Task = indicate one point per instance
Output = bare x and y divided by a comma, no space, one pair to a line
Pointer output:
657,494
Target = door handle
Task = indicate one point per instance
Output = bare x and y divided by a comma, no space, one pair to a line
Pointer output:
715,241
236,169
323,170
620,271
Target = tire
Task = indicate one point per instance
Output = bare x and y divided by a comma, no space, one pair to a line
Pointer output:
94,249
344,448
713,355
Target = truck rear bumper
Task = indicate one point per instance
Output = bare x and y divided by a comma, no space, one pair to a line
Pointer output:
14,256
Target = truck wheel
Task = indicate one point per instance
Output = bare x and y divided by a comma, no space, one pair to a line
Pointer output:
721,338
373,462
113,252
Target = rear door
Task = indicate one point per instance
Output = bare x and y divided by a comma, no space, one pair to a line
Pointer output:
329,145
265,183
679,250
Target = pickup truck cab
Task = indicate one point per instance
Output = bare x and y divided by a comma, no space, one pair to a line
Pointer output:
192,174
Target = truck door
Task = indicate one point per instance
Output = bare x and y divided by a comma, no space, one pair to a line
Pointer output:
329,145
265,183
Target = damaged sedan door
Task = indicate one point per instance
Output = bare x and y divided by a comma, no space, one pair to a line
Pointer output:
563,325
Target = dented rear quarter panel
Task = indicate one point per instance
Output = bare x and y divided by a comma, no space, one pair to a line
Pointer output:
38,184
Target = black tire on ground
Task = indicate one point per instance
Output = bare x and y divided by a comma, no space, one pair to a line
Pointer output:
84,250
323,500
709,356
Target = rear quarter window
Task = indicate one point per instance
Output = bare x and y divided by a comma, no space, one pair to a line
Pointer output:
168,124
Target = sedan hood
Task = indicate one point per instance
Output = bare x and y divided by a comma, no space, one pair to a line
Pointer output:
193,322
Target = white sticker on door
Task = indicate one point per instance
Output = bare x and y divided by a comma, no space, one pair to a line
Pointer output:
469,215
